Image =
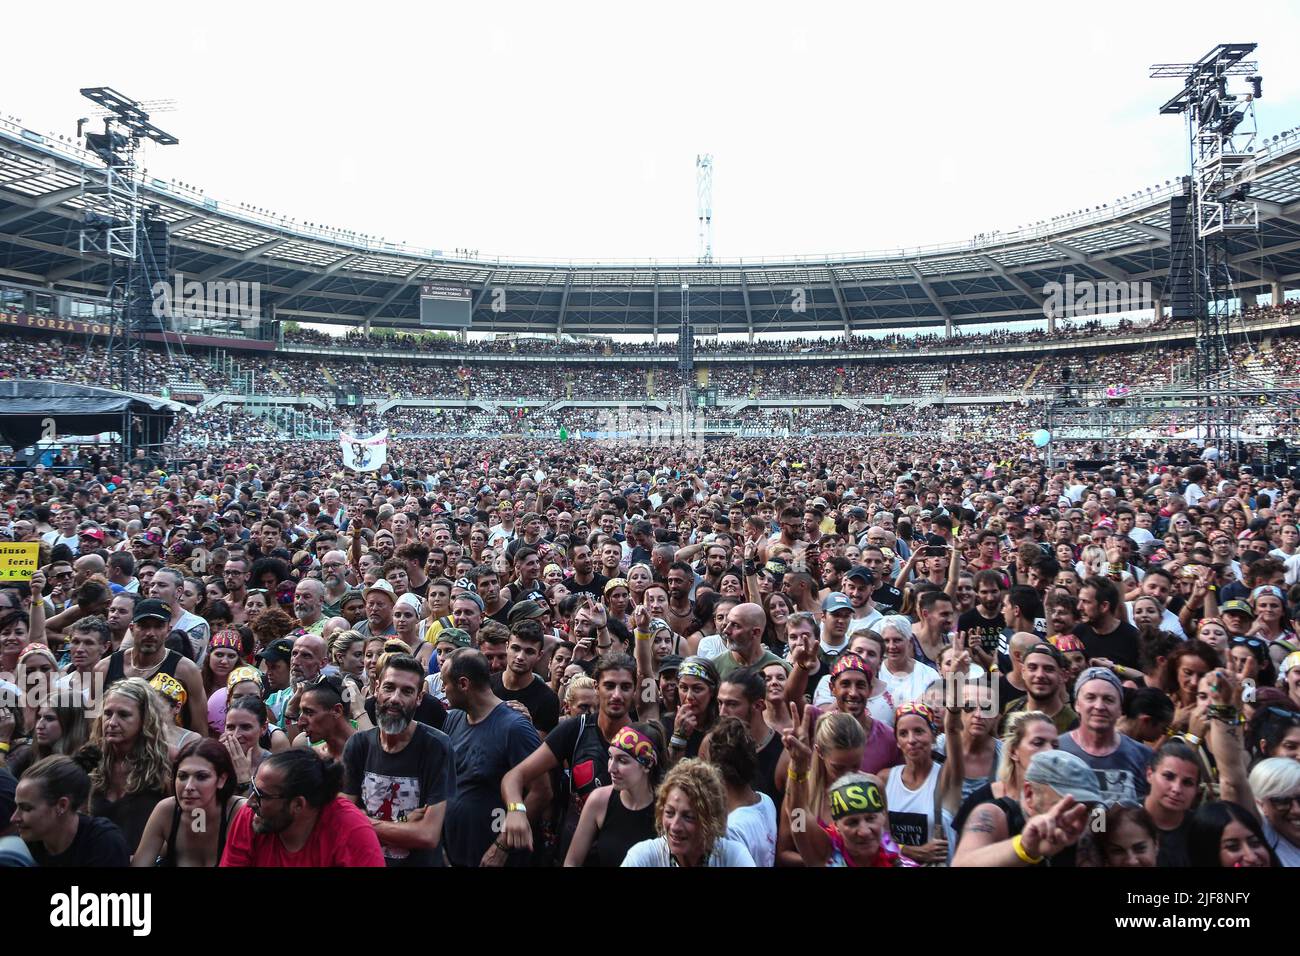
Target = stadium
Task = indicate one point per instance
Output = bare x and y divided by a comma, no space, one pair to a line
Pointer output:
976,553
774,347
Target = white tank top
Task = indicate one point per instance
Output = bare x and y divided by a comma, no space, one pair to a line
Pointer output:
911,812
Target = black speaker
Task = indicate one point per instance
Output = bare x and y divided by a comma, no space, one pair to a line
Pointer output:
1182,235
154,251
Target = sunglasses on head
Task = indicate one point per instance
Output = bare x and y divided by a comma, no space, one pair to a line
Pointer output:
1251,642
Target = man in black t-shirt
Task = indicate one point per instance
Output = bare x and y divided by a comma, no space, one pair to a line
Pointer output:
984,621
585,580
402,772
743,695
518,681
1103,633
528,574
887,598
579,745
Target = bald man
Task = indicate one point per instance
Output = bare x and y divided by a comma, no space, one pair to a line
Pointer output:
334,568
308,601
743,634
306,661
85,566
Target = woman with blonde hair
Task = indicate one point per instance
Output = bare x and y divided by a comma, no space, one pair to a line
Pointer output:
691,817
128,748
579,696
1092,562
1024,734
821,750
639,577
347,652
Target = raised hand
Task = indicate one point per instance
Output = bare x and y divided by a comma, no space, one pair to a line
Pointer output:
798,740
804,653
1049,833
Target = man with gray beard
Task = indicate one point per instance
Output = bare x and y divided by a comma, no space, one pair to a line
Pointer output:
402,772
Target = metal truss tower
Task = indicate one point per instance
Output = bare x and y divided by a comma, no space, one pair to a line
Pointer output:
704,204
113,222
1221,142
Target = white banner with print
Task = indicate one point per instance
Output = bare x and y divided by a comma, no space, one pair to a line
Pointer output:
364,454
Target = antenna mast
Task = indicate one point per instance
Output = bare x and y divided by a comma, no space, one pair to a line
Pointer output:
704,204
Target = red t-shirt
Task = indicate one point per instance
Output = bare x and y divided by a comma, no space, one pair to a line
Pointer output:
342,836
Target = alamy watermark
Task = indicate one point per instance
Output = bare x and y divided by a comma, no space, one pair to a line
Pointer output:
644,427
214,299
1078,298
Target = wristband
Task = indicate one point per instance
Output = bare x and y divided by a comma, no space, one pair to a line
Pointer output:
1224,712
642,635
1018,845
4,748
796,776
1192,739
516,808
679,743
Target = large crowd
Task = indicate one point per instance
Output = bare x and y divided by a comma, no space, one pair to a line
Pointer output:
1067,330
872,650
78,361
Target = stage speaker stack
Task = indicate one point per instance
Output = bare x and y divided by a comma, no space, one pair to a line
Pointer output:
1182,234
154,250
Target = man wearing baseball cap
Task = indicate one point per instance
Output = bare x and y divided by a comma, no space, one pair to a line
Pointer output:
1054,805
148,655
1119,761
859,584
1237,616
274,663
837,610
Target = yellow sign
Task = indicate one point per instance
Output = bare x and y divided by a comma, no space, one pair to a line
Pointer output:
18,561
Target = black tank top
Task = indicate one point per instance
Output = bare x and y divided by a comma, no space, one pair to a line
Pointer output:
622,830
117,667
169,858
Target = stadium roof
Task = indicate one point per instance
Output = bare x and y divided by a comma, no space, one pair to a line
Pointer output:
313,274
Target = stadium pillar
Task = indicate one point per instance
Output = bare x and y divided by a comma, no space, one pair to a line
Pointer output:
1051,320
366,327
1278,293
1157,308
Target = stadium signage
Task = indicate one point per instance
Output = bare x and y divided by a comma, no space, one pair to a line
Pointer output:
55,324
76,327
445,292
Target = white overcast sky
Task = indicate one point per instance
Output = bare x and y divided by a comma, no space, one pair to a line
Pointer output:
565,130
